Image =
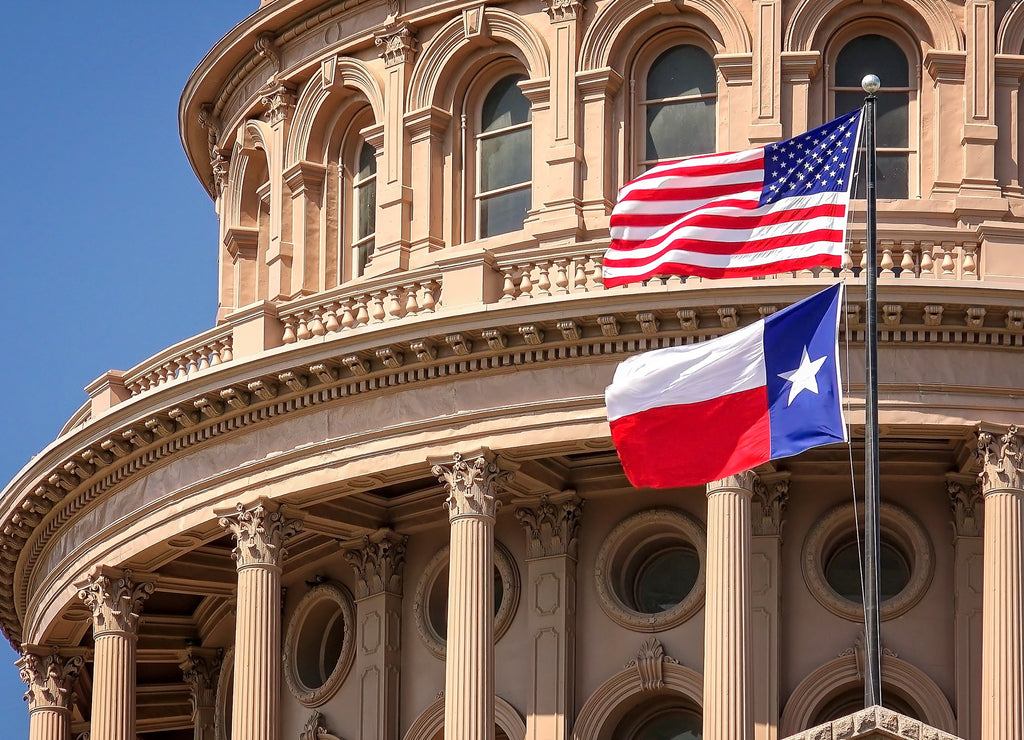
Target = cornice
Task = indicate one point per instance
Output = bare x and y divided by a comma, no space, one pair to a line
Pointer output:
123,444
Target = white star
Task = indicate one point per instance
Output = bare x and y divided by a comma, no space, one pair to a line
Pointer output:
804,377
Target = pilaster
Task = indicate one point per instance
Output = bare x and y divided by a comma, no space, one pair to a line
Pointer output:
1002,657
980,132
378,560
597,89
116,599
767,73
279,101
50,677
424,131
200,669
472,483
552,527
965,500
728,691
305,181
260,531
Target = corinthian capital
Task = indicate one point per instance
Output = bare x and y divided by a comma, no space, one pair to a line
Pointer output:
200,669
1002,460
50,678
116,600
259,531
279,100
551,527
397,46
472,484
744,481
771,495
378,560
965,502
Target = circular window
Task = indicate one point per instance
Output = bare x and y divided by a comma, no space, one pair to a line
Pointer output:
831,562
320,643
432,598
650,570
661,722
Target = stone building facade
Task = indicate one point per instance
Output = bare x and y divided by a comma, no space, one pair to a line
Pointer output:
378,499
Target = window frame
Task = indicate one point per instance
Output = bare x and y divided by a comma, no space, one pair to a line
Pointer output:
357,128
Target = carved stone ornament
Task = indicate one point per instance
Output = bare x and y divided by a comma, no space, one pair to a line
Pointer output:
965,501
745,481
561,10
314,728
397,46
116,601
50,678
1002,461
259,532
219,167
266,46
768,504
200,669
279,101
650,664
378,560
551,529
472,485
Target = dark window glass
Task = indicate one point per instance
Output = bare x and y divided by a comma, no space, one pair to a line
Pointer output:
680,104
665,578
671,724
872,54
504,212
364,188
320,642
437,602
504,159
505,105
843,571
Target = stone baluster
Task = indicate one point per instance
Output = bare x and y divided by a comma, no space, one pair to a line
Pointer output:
472,483
1002,657
727,644
260,530
378,560
116,600
200,669
552,525
50,677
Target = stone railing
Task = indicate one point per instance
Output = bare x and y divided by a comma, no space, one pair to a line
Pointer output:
536,276
181,361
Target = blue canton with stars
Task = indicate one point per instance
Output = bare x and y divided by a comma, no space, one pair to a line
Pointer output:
820,161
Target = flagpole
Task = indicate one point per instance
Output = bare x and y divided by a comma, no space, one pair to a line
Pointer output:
872,527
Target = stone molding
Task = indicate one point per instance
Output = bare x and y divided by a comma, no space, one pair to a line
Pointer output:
770,498
314,696
871,724
650,664
552,526
966,505
200,670
897,523
378,560
50,678
472,484
431,720
745,480
397,45
279,101
315,728
116,600
260,531
225,682
1002,460
624,539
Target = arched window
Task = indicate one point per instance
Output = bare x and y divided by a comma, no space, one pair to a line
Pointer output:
875,54
364,206
504,159
677,106
661,720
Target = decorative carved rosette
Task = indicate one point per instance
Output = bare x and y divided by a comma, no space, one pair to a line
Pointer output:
965,501
768,505
1002,461
551,528
116,601
50,679
378,560
397,46
650,664
472,485
200,669
259,532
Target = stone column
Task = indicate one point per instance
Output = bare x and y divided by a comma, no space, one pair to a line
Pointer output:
769,501
200,669
551,524
472,484
727,675
1002,659
279,101
968,574
116,600
260,530
50,678
378,561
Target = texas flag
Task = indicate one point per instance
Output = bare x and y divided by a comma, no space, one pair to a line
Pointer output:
687,415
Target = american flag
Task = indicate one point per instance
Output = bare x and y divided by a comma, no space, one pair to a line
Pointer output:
779,207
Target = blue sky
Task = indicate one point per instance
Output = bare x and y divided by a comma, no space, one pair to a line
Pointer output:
109,242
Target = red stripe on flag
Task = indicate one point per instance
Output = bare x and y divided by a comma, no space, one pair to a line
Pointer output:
726,220
822,259
687,445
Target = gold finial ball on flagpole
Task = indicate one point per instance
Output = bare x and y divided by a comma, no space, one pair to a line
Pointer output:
871,83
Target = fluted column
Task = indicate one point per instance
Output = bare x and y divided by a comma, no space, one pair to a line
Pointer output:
378,560
968,592
472,484
116,600
260,530
727,684
200,669
552,526
1002,657
50,677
